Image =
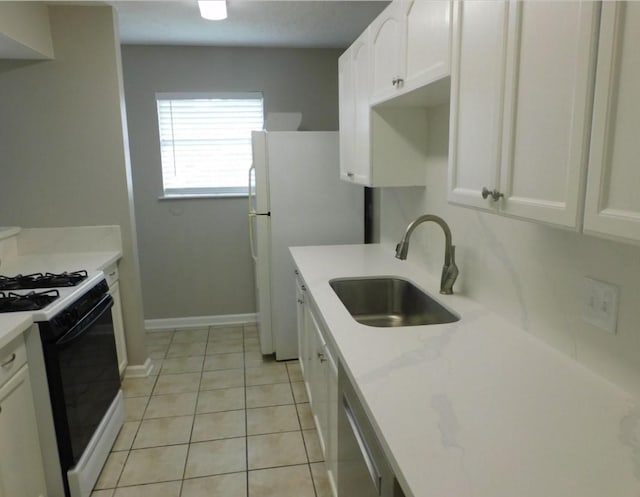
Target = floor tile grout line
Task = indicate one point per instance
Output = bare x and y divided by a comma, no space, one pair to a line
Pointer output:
124,464
193,422
246,420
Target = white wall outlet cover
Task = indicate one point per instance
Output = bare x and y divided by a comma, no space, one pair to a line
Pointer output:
600,304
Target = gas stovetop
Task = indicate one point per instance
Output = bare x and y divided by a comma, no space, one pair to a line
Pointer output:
32,301
43,294
39,280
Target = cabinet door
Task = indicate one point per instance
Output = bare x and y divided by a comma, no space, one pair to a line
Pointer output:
548,97
318,381
118,328
427,42
387,51
346,114
21,471
331,454
361,171
612,203
354,112
302,335
477,83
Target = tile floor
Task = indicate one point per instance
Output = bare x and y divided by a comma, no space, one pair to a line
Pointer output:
216,419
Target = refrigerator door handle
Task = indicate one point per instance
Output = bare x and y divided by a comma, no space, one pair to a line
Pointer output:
251,215
253,252
250,192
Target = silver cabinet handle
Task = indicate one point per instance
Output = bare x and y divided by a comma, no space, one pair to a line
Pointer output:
9,361
295,271
376,478
494,194
321,356
397,82
300,301
350,175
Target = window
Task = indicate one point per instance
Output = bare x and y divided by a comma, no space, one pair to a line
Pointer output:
205,141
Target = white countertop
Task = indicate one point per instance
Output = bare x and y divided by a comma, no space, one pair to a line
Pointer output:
8,231
476,408
12,325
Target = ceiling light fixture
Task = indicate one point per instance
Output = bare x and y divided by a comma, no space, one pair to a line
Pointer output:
214,10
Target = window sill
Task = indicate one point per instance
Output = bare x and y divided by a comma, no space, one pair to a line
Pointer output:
202,196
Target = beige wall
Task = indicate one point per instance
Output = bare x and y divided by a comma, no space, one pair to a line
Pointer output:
194,254
530,274
64,157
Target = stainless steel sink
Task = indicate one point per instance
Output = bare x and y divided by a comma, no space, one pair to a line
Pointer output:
388,301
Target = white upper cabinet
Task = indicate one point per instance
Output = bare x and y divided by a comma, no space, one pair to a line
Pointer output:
521,107
410,47
548,104
387,40
477,91
612,205
354,112
388,77
427,42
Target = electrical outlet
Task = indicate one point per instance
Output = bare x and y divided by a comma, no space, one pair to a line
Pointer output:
600,304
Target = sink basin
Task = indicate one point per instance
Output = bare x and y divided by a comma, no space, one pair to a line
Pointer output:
388,301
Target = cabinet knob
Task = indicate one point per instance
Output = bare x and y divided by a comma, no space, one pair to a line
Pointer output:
321,356
397,82
350,175
494,194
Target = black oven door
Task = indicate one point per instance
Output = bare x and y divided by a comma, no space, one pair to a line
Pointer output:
83,376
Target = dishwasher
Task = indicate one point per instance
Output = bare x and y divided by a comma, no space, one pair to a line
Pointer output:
363,469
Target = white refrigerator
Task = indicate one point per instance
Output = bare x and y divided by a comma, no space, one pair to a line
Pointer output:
295,198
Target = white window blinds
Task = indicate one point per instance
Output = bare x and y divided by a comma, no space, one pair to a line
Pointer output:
205,141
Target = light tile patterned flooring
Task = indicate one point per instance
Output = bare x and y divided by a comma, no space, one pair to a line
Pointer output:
216,419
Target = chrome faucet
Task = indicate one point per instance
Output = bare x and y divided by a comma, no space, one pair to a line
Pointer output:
449,270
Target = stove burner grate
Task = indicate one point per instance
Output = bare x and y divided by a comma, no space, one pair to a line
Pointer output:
39,280
32,301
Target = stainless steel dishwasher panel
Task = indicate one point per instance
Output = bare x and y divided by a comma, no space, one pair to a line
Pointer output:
363,470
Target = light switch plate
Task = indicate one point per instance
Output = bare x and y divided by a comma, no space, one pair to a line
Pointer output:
600,304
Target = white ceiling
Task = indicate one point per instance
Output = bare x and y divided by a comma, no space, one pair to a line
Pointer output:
280,23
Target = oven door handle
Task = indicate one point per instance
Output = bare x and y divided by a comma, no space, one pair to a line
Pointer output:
88,321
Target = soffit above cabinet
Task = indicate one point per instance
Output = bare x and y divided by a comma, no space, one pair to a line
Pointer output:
24,31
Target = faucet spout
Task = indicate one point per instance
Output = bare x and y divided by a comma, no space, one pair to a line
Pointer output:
449,269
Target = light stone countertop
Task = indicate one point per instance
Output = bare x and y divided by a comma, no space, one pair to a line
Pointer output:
476,408
8,231
12,325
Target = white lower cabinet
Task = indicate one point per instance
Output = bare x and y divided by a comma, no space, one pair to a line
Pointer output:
21,469
116,314
320,369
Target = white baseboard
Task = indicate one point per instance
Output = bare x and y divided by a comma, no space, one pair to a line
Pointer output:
139,370
198,321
